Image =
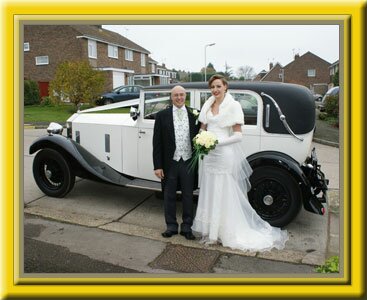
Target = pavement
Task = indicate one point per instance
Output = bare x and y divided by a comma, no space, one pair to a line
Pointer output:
122,227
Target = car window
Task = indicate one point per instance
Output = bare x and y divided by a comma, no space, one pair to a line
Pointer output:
249,106
157,101
124,90
116,89
247,101
203,97
334,92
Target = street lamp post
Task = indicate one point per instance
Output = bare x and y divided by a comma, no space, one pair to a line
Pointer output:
212,44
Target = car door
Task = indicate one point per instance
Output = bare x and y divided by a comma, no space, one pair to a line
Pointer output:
124,93
251,104
135,92
153,103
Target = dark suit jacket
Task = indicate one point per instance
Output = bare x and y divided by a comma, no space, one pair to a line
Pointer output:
164,137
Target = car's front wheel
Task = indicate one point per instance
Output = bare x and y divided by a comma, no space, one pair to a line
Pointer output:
52,173
275,195
107,101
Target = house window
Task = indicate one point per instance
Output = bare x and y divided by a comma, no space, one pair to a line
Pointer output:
113,51
26,47
128,55
92,49
41,60
153,68
311,72
142,55
130,80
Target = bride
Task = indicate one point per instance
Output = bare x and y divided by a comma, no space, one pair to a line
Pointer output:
224,213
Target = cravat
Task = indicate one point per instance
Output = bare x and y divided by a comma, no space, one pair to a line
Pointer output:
180,113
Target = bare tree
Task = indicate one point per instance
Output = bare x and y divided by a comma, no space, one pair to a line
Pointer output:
227,71
246,72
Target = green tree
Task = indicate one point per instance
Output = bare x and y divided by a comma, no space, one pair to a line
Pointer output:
31,92
336,78
196,76
76,81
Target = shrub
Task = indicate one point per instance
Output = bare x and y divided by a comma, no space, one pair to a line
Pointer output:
332,106
46,101
331,266
322,116
31,92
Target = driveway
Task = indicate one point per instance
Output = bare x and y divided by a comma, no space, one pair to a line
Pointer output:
139,213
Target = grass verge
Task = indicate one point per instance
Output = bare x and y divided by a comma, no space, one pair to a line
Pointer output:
58,113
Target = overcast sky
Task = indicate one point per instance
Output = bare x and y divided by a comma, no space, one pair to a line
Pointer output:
182,47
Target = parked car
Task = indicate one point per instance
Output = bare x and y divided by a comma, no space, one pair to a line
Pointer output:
121,93
317,97
277,138
334,91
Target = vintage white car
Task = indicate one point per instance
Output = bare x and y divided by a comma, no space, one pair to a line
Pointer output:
117,147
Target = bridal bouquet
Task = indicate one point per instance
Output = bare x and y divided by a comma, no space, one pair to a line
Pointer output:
203,143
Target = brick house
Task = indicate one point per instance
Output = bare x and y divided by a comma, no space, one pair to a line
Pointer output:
158,75
308,70
275,73
46,46
170,75
260,75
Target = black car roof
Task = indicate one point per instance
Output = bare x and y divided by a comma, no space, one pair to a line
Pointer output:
295,101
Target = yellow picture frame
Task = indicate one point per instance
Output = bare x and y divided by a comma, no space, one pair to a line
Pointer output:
350,14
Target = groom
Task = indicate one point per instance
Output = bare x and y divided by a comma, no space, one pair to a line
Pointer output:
174,130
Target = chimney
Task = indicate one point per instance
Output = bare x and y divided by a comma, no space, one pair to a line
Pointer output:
271,66
296,56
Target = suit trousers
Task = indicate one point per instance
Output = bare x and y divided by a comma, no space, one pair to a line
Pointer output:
178,173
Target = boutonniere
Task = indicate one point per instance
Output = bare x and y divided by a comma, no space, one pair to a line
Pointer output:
196,116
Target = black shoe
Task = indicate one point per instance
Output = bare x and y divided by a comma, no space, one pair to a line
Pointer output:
168,233
188,235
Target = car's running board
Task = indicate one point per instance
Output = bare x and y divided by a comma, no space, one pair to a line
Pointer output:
149,185
144,184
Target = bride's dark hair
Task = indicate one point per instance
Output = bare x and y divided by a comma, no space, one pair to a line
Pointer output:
220,77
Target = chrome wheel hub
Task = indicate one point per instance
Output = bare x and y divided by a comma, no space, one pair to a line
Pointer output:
268,200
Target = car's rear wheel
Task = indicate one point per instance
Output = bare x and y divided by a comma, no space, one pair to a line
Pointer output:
275,195
52,173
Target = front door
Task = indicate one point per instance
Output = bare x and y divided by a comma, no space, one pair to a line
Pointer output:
43,87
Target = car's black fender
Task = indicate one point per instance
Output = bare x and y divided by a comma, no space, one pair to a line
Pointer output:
285,162
86,165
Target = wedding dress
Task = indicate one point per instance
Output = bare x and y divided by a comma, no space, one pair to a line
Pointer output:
224,213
